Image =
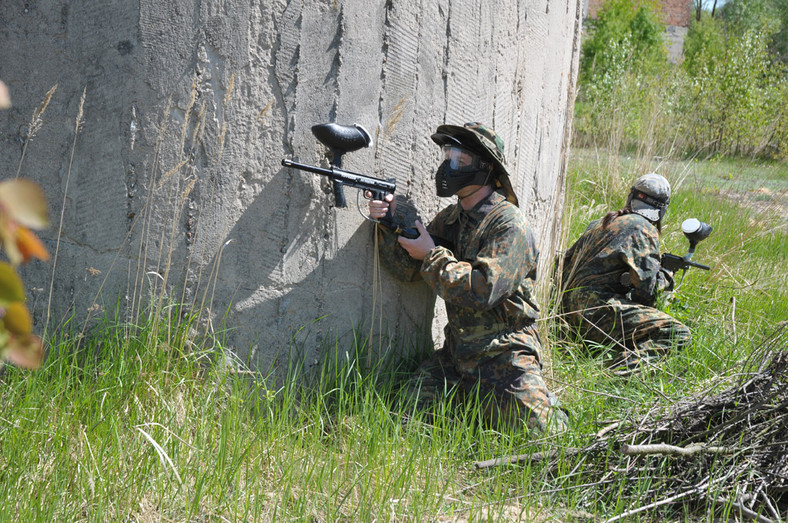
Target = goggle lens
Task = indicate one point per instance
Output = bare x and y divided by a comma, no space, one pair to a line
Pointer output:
460,158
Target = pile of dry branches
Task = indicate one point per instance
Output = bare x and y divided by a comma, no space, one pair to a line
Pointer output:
723,452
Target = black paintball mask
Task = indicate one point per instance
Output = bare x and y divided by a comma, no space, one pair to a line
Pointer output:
460,168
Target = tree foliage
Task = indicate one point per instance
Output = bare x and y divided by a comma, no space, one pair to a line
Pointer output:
625,30
736,85
22,207
728,96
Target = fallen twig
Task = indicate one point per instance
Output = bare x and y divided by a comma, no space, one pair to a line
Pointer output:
743,511
672,450
666,501
517,458
607,429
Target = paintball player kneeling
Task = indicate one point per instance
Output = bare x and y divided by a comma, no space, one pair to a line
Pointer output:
612,274
480,256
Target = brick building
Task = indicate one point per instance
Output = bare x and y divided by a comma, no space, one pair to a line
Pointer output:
676,16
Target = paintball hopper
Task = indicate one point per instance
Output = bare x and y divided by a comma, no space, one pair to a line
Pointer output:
342,138
695,231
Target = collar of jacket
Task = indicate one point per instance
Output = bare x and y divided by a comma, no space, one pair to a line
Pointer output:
479,211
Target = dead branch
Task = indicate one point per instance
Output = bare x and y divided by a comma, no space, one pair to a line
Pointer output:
517,458
672,450
742,510
666,501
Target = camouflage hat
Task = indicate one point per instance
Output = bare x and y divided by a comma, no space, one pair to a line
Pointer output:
650,196
482,140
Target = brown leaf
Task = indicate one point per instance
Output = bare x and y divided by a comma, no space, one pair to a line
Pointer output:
5,98
24,202
29,245
8,239
24,351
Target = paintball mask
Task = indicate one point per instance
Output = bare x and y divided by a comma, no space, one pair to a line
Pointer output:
650,196
479,140
461,167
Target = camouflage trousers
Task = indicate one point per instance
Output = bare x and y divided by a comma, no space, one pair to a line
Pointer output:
633,330
509,386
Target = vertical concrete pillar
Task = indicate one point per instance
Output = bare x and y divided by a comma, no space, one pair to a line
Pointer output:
173,179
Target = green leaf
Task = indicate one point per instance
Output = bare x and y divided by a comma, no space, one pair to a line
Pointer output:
11,287
17,319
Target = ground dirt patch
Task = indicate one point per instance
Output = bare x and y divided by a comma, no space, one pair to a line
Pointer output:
766,202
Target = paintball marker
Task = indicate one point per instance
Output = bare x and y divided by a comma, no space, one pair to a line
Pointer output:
341,139
695,231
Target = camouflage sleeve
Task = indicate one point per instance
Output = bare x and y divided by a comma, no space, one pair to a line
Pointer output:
643,259
507,254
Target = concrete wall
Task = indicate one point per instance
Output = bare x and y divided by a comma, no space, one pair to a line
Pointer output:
173,180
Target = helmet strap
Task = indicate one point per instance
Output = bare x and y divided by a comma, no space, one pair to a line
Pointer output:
654,202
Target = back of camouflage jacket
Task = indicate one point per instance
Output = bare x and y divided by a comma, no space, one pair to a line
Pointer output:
484,268
596,261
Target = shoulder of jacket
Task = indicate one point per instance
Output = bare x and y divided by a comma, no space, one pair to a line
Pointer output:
636,226
633,220
505,211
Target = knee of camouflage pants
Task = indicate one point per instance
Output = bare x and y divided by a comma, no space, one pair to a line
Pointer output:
624,324
522,394
510,389
658,336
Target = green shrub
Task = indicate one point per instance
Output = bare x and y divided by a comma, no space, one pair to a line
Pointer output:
735,95
622,58
728,97
626,35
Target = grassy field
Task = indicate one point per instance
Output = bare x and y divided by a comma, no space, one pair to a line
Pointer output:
148,423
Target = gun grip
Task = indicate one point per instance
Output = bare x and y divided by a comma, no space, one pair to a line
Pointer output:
339,193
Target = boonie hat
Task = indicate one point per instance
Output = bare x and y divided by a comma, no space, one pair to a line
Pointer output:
482,140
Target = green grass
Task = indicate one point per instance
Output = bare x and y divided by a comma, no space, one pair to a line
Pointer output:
128,425
149,422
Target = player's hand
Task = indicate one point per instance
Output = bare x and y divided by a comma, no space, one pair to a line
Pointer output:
379,208
419,247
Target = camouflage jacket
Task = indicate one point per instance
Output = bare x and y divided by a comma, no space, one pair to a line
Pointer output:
484,268
597,260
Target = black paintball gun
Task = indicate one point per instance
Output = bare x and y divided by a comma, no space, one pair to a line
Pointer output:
695,231
341,139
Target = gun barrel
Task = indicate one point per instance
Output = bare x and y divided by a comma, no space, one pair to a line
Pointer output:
698,265
352,179
305,167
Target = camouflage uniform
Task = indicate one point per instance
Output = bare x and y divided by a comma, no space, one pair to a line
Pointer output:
484,267
607,311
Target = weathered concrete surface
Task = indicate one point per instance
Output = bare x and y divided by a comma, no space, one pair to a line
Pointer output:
174,179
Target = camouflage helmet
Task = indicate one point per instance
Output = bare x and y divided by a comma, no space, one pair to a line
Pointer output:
481,140
650,196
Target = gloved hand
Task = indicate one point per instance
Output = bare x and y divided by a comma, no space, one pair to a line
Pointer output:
665,280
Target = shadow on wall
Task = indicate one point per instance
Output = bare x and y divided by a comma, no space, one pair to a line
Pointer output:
286,283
